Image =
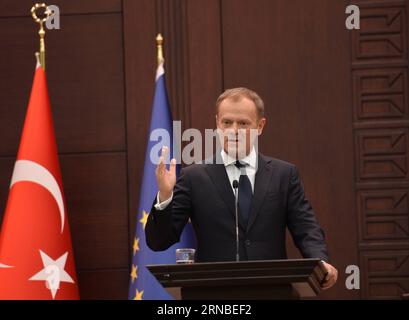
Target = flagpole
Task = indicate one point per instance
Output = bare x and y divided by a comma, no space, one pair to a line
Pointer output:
41,32
159,43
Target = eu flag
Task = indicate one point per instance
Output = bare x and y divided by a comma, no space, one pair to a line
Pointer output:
142,284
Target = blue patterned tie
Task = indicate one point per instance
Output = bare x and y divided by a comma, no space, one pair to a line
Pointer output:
245,193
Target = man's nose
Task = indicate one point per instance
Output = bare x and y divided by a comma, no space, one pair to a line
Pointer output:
235,128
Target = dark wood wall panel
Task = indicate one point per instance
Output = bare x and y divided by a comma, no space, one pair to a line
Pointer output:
386,272
140,70
6,170
87,83
10,8
16,78
172,22
85,80
96,195
205,62
104,284
379,63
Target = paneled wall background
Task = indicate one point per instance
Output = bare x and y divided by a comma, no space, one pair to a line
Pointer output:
379,78
337,107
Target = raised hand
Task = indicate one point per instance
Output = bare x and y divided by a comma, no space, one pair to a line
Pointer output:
166,179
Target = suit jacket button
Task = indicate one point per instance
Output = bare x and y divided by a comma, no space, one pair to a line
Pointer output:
247,243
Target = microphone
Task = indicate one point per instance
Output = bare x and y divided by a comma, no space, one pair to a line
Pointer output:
236,201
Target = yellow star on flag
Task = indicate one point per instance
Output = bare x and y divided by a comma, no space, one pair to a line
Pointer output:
135,245
134,274
144,218
138,295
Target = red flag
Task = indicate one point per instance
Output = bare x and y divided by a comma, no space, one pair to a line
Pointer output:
36,256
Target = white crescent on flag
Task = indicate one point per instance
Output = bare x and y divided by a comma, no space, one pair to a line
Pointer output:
5,266
25,170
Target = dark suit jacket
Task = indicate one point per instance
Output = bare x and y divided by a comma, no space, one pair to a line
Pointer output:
203,193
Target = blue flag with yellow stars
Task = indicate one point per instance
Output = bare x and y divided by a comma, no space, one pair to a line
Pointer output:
144,286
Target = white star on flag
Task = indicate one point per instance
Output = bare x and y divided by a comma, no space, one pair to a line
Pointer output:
53,273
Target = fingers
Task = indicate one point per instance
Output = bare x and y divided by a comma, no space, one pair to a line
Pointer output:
172,168
161,165
163,155
329,282
331,277
161,168
165,151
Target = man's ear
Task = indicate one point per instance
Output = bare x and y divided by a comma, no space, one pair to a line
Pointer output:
217,120
261,124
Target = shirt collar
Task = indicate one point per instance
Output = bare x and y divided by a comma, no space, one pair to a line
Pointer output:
250,159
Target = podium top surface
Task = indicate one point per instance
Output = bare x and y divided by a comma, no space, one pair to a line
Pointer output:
310,272
226,265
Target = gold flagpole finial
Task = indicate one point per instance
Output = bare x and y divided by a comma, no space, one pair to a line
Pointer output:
159,43
41,32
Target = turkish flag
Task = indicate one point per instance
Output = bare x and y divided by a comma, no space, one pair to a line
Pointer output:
36,256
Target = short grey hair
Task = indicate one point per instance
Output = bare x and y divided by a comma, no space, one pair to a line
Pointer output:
237,94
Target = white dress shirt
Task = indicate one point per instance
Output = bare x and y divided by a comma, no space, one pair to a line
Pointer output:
232,172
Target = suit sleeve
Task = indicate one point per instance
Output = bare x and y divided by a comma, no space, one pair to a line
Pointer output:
164,227
302,223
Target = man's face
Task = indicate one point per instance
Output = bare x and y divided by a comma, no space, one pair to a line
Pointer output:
240,126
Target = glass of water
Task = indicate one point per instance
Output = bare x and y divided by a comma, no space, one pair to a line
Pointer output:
185,255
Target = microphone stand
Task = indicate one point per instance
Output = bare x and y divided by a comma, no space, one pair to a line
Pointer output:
235,187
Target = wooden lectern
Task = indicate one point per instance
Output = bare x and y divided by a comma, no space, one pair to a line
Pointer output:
273,279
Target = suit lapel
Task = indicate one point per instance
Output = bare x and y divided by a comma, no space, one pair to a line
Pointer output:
262,180
218,174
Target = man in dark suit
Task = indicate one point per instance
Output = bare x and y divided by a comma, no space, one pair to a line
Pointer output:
270,196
